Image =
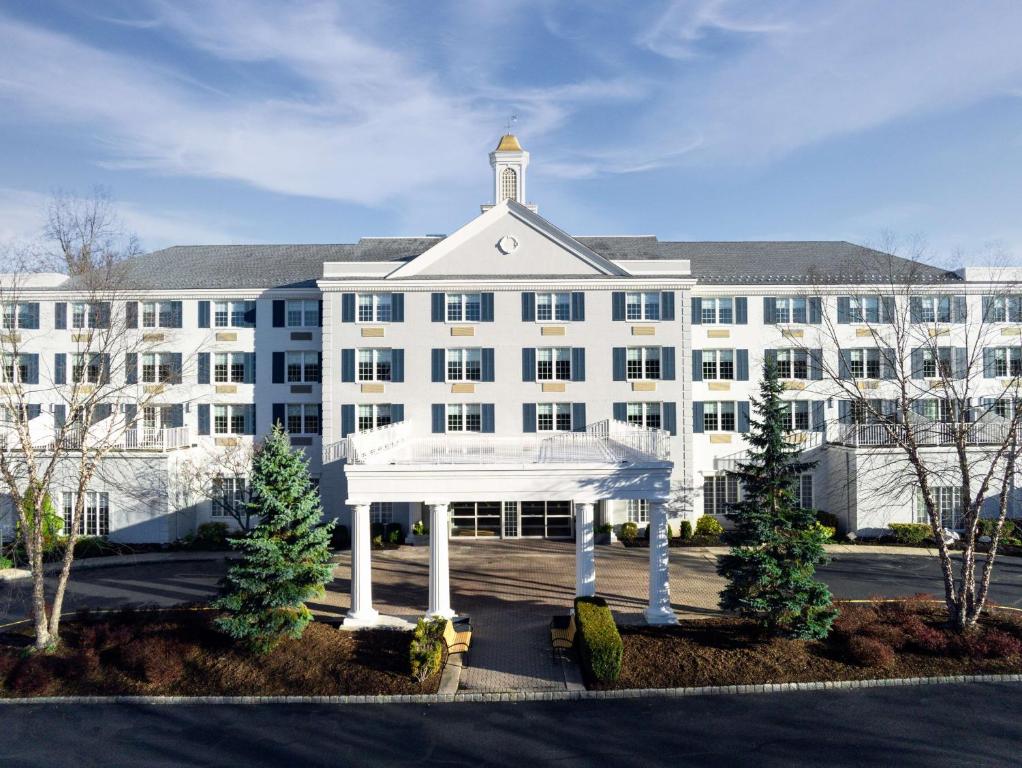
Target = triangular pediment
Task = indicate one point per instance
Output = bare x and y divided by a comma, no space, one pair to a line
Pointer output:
509,241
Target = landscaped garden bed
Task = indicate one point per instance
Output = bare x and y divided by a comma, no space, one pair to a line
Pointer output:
180,652
869,640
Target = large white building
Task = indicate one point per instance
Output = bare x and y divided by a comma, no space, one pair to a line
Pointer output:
506,380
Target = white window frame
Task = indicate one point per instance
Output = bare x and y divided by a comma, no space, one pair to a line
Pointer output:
229,414
864,309
718,364
936,308
550,303
462,303
717,310
645,414
307,416
797,415
464,364
790,362
160,314
1007,362
90,372
864,362
15,314
230,367
938,363
374,308
553,417
637,510
95,520
158,368
642,306
804,492
231,493
13,368
307,364
949,501
373,415
380,364
381,512
646,357
553,364
718,413
306,310
719,491
231,313
463,417
788,308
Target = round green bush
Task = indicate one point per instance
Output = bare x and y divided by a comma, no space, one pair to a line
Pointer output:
708,526
628,531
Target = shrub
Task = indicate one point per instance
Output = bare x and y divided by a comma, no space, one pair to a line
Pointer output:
91,546
628,531
600,644
827,530
340,538
686,530
394,533
910,534
5,562
377,541
828,519
932,640
986,527
211,536
853,617
645,533
426,652
418,528
377,530
605,528
670,531
709,526
870,652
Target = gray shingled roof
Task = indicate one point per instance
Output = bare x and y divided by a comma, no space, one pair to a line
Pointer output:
299,266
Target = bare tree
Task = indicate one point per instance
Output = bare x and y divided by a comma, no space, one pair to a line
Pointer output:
219,476
929,389
88,239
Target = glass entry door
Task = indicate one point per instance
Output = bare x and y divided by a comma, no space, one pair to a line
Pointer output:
475,518
549,519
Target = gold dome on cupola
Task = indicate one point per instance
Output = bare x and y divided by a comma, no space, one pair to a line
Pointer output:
509,143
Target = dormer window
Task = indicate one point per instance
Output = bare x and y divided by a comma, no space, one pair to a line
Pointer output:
508,184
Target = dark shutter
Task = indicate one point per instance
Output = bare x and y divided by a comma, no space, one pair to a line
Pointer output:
886,309
815,310
279,414
743,415
397,307
319,319
31,320
203,368
60,315
436,306
347,419
59,415
915,309
578,363
844,309
697,311
250,368
619,411
844,411
438,366
486,307
528,364
347,307
697,365
347,365
961,363
578,417
486,418
203,410
917,363
819,422
279,367
439,413
816,364
250,317
670,422
131,368
528,307
888,363
667,363
620,357
279,319
397,365
741,365
769,310
100,312
33,410
204,314
989,367
578,306
528,417
176,317
667,305
488,370
844,365
960,311
131,314
60,368
697,417
397,412
31,363
617,305
741,310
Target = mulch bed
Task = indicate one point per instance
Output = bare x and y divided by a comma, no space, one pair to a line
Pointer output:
675,541
179,652
729,651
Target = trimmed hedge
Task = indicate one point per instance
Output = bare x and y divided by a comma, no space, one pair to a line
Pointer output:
686,530
600,645
708,526
426,652
628,531
910,533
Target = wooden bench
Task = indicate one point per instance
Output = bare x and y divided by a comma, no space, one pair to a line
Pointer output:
458,635
562,631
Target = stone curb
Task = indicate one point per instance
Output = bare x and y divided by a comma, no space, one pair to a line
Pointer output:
527,696
115,561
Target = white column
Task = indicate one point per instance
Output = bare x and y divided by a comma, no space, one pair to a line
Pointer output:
439,563
585,559
361,613
659,609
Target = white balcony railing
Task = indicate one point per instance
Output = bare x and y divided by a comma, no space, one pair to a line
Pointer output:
642,440
335,451
924,433
130,439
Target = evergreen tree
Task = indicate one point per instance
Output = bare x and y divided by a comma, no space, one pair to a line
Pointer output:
285,558
775,544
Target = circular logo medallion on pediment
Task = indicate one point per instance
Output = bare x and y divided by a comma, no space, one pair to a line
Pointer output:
507,244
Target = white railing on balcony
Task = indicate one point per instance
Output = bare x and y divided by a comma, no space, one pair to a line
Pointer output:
130,439
924,433
335,451
643,440
362,445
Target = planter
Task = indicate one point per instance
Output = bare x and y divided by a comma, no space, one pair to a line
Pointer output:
417,539
605,538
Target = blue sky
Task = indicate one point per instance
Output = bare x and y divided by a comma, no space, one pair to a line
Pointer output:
268,121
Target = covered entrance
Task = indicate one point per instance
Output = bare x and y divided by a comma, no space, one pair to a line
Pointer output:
512,519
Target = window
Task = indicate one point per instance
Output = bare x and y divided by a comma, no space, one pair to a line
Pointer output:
644,414
156,416
933,309
229,496
96,521
232,420
14,368
233,313
553,417
464,365
790,310
948,502
804,491
718,364
642,306
642,363
864,363
718,492
161,314
719,417
381,512
87,369
464,307
553,306
374,365
717,311
1007,361
1003,309
17,315
508,184
796,415
638,510
937,362
1002,407
229,367
553,364
301,313
89,314
375,308
373,416
303,418
864,309
302,367
935,409
464,418
159,368
792,364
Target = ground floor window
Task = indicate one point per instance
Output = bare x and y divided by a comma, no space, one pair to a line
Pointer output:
475,518
718,492
228,496
948,500
381,512
638,511
553,417
464,418
644,414
550,519
805,491
96,520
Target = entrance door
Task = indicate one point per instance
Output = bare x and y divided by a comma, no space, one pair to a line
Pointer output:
510,519
475,518
549,519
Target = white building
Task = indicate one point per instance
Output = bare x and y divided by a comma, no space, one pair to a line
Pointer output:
505,380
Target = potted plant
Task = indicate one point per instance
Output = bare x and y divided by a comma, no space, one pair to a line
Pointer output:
419,536
605,534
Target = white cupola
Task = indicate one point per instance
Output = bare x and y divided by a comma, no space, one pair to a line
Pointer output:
509,162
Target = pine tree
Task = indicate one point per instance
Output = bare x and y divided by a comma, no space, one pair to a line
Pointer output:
775,544
285,558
